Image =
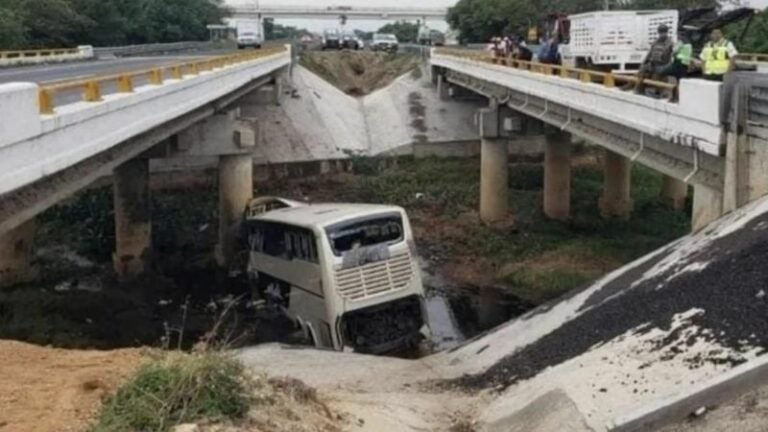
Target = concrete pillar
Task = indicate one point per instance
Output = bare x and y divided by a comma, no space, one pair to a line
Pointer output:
557,176
494,167
133,222
16,254
494,178
443,88
674,192
707,207
277,89
616,201
235,191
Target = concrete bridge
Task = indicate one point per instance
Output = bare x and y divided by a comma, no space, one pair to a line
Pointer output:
251,10
706,139
59,137
51,146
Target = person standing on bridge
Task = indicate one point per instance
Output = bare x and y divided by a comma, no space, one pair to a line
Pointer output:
718,56
659,58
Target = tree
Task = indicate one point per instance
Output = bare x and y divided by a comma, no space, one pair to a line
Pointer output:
403,30
51,23
755,40
12,34
57,23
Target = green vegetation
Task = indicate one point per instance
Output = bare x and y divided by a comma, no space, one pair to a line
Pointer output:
538,259
755,40
66,23
274,31
403,30
176,389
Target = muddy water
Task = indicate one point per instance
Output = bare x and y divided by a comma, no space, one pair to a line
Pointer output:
456,313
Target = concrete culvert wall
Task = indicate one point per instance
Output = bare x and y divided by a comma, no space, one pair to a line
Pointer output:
656,329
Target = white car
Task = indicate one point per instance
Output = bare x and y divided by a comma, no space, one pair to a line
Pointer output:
248,39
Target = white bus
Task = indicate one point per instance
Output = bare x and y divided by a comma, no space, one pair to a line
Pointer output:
345,273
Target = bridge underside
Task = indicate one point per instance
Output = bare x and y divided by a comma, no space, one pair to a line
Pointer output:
680,162
24,204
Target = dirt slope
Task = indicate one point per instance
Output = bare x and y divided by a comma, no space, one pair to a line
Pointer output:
55,390
359,73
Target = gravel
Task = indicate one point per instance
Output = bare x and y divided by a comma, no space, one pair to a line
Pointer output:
723,279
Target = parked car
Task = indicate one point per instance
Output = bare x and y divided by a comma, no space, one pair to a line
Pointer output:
351,41
384,42
248,40
331,39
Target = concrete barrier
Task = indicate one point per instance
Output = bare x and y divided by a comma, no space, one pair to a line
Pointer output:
720,389
693,122
156,49
45,56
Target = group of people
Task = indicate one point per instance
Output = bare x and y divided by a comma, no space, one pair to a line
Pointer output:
667,59
510,47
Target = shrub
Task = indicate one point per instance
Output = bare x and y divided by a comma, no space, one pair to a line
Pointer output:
178,388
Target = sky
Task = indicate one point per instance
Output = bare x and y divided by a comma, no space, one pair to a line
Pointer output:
366,25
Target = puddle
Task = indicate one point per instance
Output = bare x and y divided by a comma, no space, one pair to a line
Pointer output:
457,313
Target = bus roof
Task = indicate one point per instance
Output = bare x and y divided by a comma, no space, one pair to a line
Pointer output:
323,215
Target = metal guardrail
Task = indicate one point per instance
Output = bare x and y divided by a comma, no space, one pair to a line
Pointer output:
21,54
607,79
92,88
753,57
161,48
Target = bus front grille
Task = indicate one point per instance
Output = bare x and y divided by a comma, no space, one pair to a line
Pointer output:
374,279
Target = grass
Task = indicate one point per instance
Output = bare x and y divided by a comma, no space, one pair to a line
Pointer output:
178,388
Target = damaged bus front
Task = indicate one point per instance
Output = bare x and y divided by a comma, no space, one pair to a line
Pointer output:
347,274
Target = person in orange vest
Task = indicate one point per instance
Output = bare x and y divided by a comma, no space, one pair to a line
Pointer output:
718,56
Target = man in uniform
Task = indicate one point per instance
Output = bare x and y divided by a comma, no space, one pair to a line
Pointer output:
718,56
659,58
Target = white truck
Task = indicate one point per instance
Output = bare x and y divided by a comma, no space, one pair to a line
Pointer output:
250,33
615,41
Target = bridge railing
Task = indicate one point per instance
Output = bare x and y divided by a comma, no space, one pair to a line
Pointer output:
37,53
20,57
607,79
753,57
91,89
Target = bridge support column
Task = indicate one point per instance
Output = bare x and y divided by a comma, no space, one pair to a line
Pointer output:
494,168
16,254
277,89
133,221
674,193
235,191
443,88
707,207
616,201
557,176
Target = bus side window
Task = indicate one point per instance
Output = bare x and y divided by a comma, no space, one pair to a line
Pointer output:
274,240
256,238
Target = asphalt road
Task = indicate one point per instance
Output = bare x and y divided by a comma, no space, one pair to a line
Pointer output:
49,74
83,70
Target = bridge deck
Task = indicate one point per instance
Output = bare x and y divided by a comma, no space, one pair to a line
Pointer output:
684,140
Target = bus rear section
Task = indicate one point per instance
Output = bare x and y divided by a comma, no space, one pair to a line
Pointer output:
345,273
375,275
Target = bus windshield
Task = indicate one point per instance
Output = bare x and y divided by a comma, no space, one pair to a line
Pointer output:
353,235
